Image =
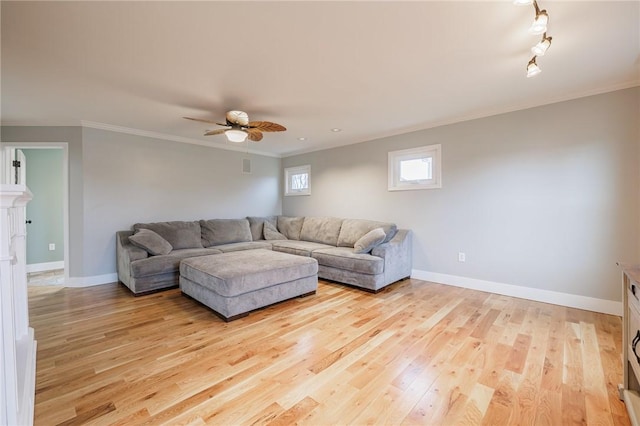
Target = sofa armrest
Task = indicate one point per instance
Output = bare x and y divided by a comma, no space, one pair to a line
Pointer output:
128,250
397,245
397,255
125,254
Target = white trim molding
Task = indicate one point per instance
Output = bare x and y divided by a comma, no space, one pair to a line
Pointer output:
181,139
47,266
604,306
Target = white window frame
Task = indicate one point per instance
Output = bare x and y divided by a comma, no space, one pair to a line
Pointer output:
396,157
290,172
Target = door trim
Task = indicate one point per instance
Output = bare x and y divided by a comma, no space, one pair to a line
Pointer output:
65,190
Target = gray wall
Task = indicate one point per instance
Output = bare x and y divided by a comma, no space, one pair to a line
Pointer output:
545,198
131,179
116,180
45,180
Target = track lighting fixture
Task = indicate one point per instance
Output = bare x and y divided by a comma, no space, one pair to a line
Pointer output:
532,68
541,48
539,26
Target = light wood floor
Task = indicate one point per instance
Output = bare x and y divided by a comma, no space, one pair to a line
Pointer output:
417,353
51,277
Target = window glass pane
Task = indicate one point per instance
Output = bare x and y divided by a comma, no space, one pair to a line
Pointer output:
299,181
415,169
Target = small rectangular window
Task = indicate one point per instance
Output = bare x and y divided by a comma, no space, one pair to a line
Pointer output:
416,168
297,180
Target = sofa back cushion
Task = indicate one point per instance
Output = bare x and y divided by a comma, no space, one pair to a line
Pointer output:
179,234
224,231
323,230
290,227
271,232
353,229
256,224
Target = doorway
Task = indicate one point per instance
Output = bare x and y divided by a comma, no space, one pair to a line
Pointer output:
43,167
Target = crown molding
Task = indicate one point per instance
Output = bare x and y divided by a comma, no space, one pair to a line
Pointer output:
477,115
173,138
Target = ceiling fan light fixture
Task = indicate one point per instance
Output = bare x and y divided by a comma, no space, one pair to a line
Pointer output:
234,135
532,68
522,2
543,45
539,25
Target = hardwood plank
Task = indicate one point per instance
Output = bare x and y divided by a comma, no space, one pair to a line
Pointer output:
416,353
573,402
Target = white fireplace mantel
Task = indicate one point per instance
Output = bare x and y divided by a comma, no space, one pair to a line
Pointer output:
17,343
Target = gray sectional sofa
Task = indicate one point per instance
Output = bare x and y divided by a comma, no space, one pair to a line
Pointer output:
361,253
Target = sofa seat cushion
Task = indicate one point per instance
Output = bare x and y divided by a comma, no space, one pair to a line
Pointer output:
167,263
323,230
354,229
251,245
232,274
181,235
300,248
345,258
224,231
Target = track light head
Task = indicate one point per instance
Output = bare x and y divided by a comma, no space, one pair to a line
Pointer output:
539,25
532,68
543,45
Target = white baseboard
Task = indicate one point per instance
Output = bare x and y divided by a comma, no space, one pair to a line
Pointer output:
91,281
48,266
604,306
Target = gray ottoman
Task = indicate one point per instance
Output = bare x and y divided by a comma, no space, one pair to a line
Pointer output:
235,283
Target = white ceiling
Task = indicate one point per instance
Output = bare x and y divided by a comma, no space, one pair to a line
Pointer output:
373,69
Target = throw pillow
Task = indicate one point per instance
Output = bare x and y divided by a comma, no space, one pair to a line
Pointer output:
368,241
153,243
256,224
179,234
271,233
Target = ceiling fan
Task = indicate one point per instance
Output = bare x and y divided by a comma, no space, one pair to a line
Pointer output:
238,127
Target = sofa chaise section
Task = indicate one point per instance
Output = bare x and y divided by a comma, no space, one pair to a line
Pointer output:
387,263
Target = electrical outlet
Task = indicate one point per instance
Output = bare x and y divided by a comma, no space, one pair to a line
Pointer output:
462,257
52,246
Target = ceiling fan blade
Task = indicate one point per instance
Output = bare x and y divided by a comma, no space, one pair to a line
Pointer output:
215,132
201,120
254,135
267,126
